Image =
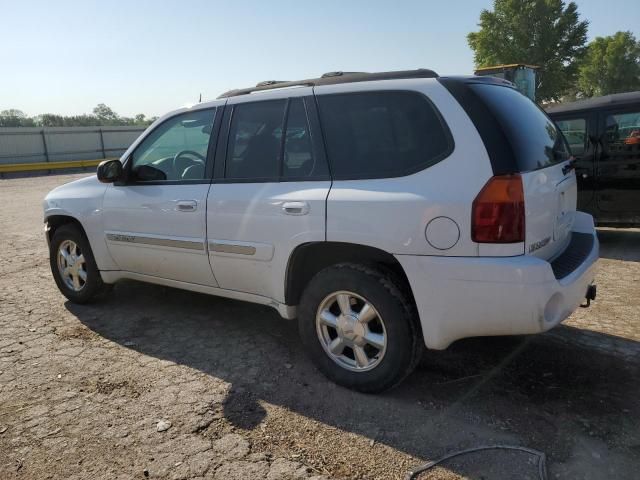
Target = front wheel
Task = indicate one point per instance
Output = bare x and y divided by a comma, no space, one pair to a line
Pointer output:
359,328
73,266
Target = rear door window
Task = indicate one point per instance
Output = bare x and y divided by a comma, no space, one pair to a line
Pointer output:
575,132
534,138
255,139
382,134
298,161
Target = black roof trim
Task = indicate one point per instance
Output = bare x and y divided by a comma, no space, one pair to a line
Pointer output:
333,78
597,102
496,142
479,79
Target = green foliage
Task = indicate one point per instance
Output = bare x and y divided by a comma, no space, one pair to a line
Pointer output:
611,65
102,116
105,114
15,118
546,33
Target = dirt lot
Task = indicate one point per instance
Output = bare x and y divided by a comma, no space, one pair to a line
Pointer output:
82,388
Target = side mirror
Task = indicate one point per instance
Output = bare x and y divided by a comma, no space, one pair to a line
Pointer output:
109,171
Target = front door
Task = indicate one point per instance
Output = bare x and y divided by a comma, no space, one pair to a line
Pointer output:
619,164
579,131
269,192
155,221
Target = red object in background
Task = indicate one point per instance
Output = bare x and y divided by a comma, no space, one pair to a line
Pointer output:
633,138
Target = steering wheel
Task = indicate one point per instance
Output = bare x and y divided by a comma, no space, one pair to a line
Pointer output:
198,159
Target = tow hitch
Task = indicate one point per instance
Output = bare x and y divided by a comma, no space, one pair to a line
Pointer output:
591,295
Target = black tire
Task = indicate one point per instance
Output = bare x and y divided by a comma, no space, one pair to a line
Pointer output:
93,286
404,339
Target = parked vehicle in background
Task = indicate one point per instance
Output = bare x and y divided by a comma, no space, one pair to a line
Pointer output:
604,136
387,212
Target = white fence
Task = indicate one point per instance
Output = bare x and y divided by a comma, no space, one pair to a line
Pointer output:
56,144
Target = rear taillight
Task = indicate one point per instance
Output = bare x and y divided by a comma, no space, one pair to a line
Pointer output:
497,214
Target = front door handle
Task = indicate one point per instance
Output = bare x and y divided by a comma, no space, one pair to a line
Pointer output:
295,208
186,205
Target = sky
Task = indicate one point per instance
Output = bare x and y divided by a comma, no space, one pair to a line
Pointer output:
139,56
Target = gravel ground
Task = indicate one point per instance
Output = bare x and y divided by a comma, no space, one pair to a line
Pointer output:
84,390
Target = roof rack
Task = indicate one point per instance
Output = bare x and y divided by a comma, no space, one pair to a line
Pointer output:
332,78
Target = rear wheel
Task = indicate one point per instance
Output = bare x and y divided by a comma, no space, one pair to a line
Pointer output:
73,266
359,328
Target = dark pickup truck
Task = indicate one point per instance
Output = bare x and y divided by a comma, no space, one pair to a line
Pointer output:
604,136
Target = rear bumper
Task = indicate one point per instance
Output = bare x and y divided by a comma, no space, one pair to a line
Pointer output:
459,297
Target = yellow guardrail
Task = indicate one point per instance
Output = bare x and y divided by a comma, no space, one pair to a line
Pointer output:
29,167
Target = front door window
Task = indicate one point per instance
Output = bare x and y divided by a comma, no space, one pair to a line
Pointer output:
575,131
176,150
619,165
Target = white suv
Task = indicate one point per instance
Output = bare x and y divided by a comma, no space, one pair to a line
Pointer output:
385,211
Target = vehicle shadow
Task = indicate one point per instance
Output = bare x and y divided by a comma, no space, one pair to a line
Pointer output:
542,390
620,244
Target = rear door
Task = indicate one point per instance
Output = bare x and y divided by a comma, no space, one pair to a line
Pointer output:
269,192
618,168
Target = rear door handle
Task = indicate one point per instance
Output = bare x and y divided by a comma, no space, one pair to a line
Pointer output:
295,208
186,205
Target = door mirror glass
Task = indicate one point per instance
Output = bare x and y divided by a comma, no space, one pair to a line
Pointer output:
109,171
148,173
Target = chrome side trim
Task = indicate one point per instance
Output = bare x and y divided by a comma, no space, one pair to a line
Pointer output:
220,248
159,242
232,248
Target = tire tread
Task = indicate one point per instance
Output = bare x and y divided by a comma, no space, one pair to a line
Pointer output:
394,288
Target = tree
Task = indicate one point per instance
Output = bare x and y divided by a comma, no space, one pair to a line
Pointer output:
15,118
611,65
105,114
81,121
546,33
51,120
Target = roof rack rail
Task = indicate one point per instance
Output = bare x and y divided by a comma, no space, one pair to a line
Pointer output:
270,82
332,78
339,74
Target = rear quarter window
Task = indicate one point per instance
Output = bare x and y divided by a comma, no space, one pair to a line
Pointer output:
534,138
382,134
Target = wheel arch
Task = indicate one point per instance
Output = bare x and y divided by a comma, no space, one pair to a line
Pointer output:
309,258
53,222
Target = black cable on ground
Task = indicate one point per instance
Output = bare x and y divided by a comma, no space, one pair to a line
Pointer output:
542,459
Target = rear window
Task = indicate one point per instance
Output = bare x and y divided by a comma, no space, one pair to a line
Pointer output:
381,134
534,138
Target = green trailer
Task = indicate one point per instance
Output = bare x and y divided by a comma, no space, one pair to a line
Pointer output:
520,74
